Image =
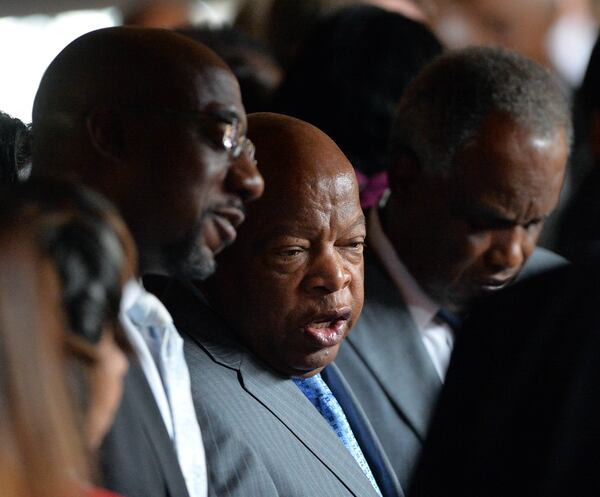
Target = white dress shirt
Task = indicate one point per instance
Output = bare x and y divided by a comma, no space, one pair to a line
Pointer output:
159,348
437,336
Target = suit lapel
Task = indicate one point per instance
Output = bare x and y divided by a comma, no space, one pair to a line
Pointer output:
286,402
279,395
153,426
371,432
388,341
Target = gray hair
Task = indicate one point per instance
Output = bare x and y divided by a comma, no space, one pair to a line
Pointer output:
447,102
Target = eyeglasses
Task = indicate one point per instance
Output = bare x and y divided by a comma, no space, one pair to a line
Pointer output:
223,129
248,149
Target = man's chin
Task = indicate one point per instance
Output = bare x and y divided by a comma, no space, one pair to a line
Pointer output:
195,264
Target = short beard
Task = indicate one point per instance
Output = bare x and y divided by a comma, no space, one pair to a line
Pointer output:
189,259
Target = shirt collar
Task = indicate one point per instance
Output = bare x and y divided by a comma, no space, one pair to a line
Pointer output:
421,307
130,294
142,306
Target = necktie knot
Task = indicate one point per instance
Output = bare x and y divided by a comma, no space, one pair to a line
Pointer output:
315,389
452,319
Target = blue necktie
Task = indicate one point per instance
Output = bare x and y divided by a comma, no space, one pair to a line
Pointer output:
362,433
318,393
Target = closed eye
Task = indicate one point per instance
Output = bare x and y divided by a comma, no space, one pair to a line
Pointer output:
534,225
357,245
290,252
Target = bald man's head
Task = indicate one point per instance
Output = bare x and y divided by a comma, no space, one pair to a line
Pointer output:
153,120
292,283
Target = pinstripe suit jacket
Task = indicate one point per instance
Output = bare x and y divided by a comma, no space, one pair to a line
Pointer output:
137,457
262,437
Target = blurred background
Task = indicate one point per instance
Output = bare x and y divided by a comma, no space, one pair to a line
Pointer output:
558,33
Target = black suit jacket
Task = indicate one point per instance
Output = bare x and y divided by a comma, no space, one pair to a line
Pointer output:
519,413
137,457
390,371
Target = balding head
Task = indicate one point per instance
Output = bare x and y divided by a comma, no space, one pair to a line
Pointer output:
151,119
145,65
293,152
483,134
291,285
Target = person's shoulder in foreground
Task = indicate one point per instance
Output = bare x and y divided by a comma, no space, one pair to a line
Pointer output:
520,406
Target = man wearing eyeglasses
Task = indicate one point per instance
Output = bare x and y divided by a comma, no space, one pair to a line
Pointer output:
155,122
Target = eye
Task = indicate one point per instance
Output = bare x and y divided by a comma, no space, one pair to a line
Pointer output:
534,224
288,253
221,134
356,245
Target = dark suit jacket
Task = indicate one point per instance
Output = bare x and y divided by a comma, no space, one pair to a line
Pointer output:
389,369
262,437
519,413
137,457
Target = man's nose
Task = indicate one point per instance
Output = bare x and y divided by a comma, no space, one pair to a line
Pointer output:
508,249
244,179
328,273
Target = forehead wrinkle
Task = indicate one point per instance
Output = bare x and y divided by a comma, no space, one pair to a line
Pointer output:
303,219
306,175
310,211
518,181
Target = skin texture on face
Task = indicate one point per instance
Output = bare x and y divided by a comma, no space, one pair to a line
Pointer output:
202,190
291,286
105,384
470,233
150,140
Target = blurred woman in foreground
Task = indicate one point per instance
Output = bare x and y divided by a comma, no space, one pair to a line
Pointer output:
64,257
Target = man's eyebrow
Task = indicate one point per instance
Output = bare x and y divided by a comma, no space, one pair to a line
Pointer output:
286,230
488,212
490,215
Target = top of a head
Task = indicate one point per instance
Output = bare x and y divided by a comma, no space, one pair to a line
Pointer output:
111,67
288,149
447,103
297,161
15,149
350,74
290,21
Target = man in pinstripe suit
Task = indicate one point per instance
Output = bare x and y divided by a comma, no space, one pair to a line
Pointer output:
281,302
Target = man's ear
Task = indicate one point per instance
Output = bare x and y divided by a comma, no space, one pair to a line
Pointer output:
105,130
404,172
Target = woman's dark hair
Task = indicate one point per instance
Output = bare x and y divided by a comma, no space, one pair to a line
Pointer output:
15,150
349,77
73,228
251,62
